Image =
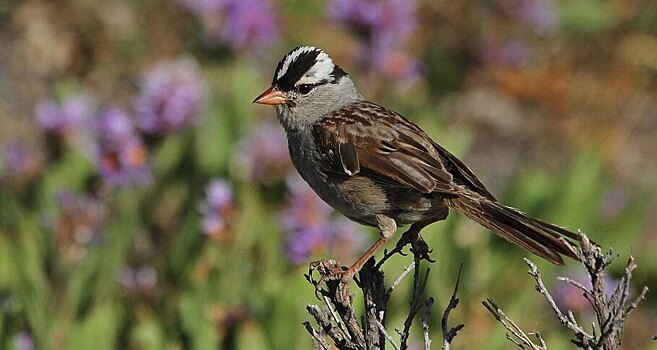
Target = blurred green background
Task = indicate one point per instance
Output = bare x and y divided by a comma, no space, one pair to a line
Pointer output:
146,203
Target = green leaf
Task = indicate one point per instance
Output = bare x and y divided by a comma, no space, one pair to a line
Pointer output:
213,142
195,322
581,191
97,331
169,154
71,172
147,333
586,16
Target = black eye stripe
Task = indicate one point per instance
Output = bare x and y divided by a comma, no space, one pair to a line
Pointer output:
310,87
296,69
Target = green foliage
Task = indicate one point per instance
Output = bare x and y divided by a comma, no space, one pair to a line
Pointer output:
586,17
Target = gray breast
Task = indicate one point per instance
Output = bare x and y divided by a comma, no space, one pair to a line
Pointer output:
359,197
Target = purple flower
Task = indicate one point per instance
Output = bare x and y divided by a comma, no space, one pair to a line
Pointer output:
541,15
218,208
380,21
383,27
569,297
139,280
397,63
262,156
66,117
173,97
304,209
238,24
121,158
306,219
22,160
300,245
114,125
249,23
348,239
23,341
613,202
312,226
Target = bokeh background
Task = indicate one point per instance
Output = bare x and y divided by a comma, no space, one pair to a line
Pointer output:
146,203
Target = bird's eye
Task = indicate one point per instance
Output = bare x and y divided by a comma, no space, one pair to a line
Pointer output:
304,89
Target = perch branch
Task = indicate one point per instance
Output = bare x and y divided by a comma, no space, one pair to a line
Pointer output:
449,334
611,311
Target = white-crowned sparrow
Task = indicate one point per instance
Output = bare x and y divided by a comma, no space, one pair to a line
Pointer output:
380,169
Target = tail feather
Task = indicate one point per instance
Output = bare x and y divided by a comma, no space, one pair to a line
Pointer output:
543,239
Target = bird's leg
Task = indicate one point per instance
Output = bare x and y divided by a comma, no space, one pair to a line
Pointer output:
413,237
387,227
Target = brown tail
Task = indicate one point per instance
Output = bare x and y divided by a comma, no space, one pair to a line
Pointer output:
548,241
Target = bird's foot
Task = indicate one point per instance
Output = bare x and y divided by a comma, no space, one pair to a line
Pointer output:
418,246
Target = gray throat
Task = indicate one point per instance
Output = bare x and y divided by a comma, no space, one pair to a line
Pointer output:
326,99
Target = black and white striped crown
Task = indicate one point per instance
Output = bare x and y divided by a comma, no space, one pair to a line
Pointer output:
306,65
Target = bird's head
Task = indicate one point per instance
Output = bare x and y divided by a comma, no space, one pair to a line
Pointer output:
306,86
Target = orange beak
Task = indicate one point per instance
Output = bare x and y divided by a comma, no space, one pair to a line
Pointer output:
271,96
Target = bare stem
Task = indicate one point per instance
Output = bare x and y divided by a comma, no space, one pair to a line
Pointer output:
611,311
449,334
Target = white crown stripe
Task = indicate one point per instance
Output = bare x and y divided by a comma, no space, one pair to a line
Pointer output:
322,69
292,56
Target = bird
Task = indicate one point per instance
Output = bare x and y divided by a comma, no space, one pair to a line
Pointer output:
379,169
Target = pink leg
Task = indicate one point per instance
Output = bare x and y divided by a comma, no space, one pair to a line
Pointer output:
387,228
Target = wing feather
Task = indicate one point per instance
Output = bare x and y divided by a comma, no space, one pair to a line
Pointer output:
349,158
363,136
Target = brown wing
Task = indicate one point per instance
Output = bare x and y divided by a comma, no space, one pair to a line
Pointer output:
365,137
462,173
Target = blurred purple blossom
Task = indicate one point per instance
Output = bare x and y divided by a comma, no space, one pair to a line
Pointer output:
121,158
541,15
348,239
217,208
384,26
238,24
262,156
23,341
22,160
313,228
569,297
381,21
306,219
304,209
173,96
613,201
397,63
249,23
139,280
65,117
114,125
301,244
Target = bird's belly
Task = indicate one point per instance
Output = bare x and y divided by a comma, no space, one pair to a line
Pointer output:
360,198
357,198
